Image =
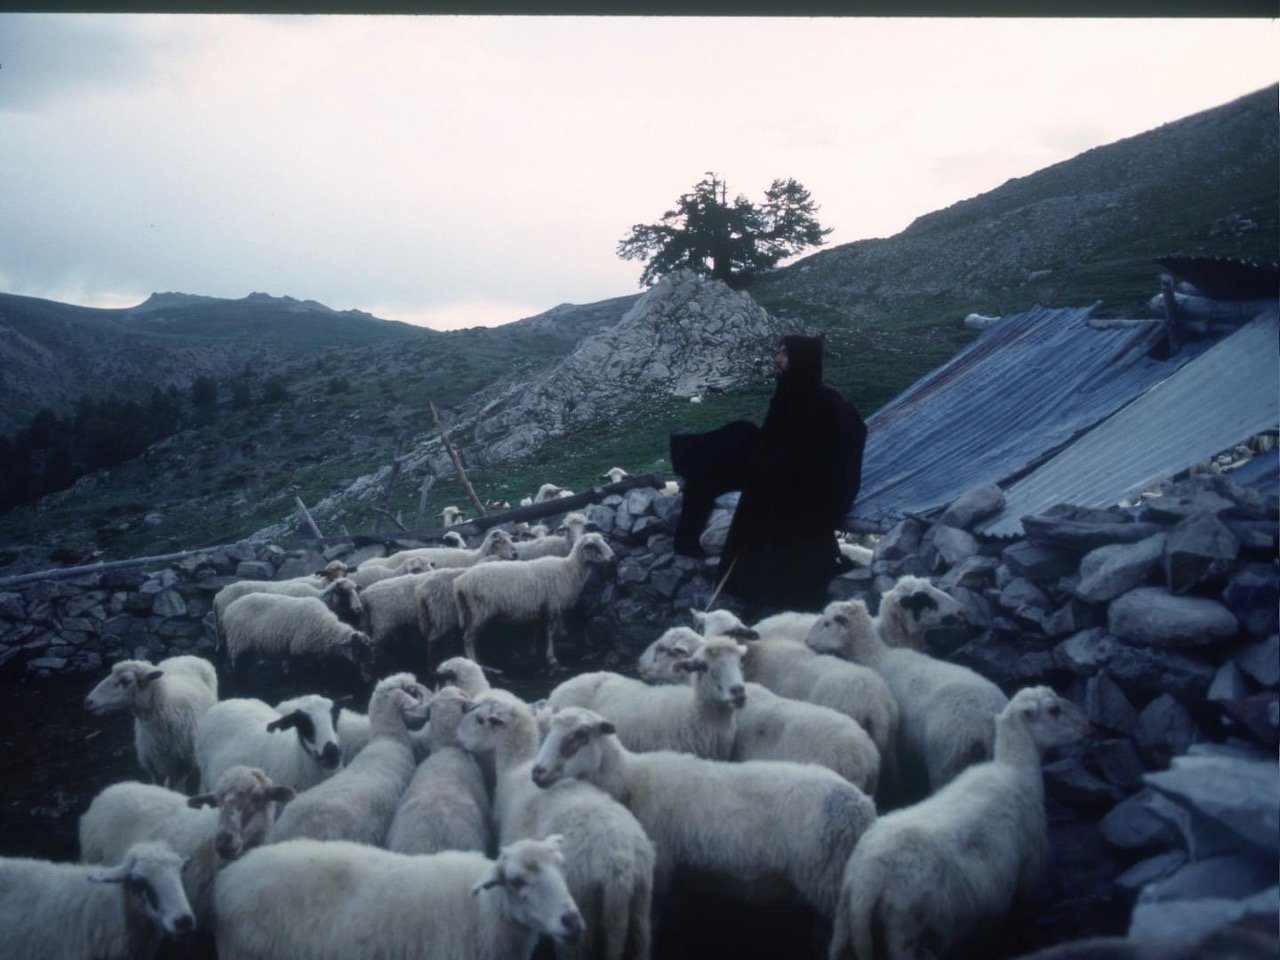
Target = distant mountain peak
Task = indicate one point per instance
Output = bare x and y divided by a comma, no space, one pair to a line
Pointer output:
169,300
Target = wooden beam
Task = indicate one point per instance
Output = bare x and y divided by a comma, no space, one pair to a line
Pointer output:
457,462
305,521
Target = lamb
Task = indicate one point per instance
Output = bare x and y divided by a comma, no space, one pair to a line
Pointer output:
167,701
446,806
575,524
911,608
467,675
770,727
127,813
378,905
341,595
750,824
451,516
614,474
946,709
791,670
59,911
272,625
358,802
496,543
527,590
697,717
610,858
931,875
250,732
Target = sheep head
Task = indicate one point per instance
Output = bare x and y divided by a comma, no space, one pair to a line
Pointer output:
572,747
128,681
529,876
246,801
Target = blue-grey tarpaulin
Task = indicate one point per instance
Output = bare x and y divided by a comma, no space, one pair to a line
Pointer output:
1021,391
1224,396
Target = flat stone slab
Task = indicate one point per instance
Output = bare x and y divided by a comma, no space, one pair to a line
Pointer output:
1186,921
1108,572
1155,617
973,505
1038,562
1200,547
1242,796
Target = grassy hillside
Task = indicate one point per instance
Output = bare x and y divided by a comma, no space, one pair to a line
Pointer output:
1084,230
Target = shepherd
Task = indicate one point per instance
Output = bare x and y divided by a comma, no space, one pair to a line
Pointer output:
799,475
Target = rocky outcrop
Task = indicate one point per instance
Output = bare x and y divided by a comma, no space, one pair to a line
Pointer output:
685,336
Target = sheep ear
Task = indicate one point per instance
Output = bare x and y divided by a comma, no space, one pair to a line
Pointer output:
113,875
699,617
841,619
285,722
604,726
279,793
743,649
150,677
202,800
492,878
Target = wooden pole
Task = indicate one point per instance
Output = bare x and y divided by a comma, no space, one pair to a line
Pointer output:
457,463
62,573
305,521
382,510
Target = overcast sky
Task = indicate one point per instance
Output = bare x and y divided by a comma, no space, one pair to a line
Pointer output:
458,171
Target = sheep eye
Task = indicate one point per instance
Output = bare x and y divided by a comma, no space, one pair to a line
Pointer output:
1055,710
516,883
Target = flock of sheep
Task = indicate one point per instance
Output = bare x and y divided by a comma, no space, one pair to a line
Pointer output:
464,822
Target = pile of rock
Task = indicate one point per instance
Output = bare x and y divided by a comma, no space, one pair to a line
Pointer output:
1162,622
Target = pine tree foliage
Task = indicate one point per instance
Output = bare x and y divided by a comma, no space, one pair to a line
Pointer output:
722,239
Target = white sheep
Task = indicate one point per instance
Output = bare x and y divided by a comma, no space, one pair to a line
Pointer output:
340,595
857,554
358,802
465,674
271,625
947,868
748,824
451,516
496,543
127,813
549,491
527,590
699,717
62,911
255,734
614,474
372,571
308,898
770,727
446,805
790,669
557,545
911,608
947,711
391,611
436,609
610,858
167,701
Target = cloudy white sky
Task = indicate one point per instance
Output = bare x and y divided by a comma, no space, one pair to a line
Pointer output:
456,171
